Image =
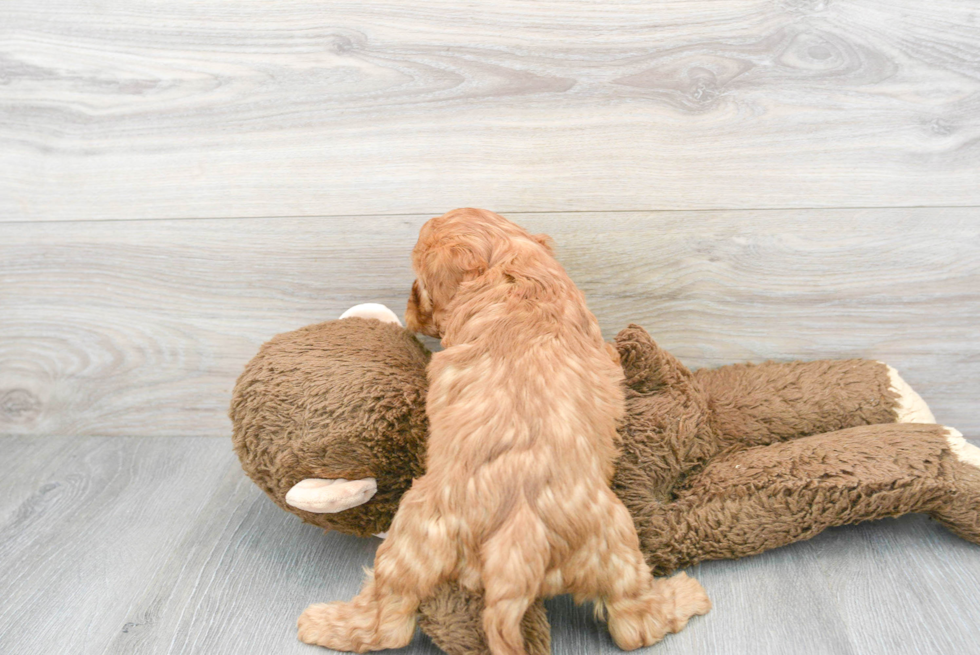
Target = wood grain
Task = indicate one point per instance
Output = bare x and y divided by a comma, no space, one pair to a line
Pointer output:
152,546
124,109
141,327
289,151
84,523
891,586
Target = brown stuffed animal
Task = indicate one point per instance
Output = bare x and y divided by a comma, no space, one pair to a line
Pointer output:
329,420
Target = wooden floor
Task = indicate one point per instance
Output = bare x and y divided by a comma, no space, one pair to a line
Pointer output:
140,545
180,181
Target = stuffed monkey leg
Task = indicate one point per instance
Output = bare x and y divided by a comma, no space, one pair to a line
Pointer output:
754,405
752,500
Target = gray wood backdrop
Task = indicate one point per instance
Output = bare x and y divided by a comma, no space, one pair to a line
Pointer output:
141,327
179,181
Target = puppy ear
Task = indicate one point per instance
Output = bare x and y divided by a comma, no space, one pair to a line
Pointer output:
460,260
449,265
545,241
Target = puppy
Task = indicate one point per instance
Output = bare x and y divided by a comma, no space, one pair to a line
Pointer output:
515,503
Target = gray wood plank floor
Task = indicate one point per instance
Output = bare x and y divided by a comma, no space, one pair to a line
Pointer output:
154,545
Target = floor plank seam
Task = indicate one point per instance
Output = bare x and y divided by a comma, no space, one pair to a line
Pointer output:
507,212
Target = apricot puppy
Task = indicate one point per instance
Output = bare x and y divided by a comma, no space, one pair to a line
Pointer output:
522,404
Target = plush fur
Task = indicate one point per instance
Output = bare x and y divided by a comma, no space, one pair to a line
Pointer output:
515,502
342,400
715,464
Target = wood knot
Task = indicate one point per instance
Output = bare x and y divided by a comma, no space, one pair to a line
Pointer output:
19,405
806,6
941,127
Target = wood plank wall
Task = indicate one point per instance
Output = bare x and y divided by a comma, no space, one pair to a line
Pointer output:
747,179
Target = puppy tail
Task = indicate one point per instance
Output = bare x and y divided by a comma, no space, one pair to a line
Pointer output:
502,622
513,567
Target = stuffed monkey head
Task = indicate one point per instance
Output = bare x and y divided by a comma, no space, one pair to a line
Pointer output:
329,420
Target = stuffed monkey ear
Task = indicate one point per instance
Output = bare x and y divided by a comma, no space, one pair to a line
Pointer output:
646,366
373,310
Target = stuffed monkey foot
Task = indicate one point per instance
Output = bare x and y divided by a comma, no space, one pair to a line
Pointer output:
910,407
962,514
753,500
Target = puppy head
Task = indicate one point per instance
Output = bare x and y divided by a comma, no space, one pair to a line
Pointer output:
457,248
451,250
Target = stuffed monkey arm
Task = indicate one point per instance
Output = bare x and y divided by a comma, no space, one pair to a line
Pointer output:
759,498
749,405
771,402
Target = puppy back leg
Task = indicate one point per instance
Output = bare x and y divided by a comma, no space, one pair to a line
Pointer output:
418,554
611,570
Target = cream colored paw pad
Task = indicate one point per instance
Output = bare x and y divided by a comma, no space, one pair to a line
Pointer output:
911,408
965,451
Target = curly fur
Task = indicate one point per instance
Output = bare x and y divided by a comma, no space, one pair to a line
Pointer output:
515,502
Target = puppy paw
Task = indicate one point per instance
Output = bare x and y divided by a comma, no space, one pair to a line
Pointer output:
317,624
689,599
335,625
668,607
636,627
354,627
